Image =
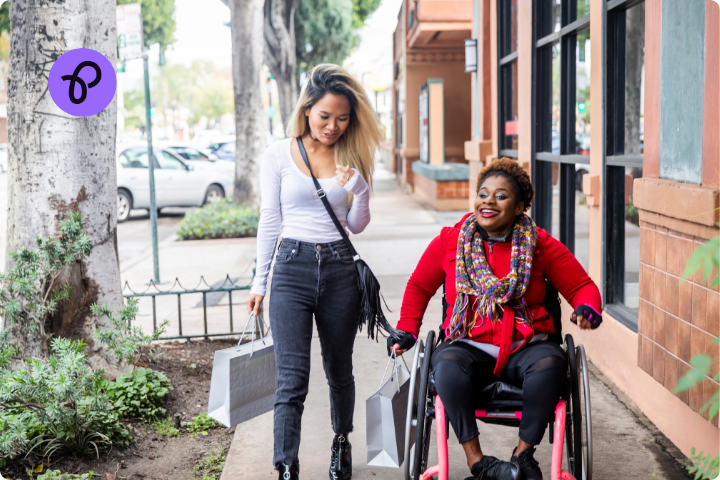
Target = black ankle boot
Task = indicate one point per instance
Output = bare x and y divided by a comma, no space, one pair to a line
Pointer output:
289,472
490,468
341,459
529,467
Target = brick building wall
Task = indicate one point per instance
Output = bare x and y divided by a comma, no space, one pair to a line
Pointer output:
677,320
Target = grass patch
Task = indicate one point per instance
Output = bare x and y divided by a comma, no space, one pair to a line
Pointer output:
223,219
212,468
165,428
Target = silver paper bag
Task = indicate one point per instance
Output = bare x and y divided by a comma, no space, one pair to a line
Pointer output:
243,382
385,421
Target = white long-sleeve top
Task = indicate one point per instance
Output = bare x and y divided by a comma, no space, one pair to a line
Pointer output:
289,206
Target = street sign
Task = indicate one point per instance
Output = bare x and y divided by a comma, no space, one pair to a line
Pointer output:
129,31
270,111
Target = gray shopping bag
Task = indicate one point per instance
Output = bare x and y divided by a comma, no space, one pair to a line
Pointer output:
243,381
385,413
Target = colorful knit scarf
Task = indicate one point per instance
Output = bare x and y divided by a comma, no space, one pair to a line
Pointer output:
473,276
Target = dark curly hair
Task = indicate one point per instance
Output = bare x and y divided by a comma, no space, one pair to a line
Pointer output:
516,175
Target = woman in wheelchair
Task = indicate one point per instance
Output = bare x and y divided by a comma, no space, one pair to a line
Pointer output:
494,264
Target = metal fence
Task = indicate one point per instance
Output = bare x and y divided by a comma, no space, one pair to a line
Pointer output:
178,290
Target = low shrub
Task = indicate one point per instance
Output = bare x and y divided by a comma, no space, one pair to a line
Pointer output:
139,393
57,406
124,340
223,219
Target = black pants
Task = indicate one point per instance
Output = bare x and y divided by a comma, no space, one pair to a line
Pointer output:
461,371
309,280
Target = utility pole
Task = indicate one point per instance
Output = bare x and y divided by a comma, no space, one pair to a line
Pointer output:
151,168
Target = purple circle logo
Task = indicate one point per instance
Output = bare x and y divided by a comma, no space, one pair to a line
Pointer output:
82,82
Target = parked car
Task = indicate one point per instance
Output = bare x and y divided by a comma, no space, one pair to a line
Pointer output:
223,150
3,157
200,158
189,152
177,184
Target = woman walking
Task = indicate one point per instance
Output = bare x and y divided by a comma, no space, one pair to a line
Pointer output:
314,273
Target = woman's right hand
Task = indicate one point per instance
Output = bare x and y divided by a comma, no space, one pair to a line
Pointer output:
253,303
401,345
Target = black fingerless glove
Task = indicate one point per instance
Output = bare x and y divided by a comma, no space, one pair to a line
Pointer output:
590,315
406,341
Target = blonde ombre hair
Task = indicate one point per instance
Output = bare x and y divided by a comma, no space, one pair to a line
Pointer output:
357,146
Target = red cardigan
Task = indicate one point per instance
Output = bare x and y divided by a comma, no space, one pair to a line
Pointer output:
551,260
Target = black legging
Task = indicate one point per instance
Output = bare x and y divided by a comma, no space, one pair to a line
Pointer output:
462,370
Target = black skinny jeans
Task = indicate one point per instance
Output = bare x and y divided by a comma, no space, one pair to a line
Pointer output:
309,280
461,371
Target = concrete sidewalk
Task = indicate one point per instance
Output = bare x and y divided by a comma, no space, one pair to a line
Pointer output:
626,445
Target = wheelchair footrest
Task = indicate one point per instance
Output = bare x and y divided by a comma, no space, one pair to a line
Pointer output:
498,414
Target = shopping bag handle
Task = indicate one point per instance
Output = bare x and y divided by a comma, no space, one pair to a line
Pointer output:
258,320
396,367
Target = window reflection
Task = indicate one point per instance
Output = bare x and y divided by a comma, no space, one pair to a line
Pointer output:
556,98
509,106
583,8
632,241
635,80
549,19
582,93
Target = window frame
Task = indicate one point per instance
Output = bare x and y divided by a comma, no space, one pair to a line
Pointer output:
615,162
542,159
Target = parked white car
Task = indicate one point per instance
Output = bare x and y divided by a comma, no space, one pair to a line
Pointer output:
199,158
3,157
177,184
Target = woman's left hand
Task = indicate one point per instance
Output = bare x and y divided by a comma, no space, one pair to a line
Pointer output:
343,174
586,317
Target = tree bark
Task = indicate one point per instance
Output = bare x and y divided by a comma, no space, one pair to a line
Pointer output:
246,21
58,163
280,55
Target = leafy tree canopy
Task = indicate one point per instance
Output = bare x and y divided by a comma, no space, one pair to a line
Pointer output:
324,32
158,21
363,9
5,17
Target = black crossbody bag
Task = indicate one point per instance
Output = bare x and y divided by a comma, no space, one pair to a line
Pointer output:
370,306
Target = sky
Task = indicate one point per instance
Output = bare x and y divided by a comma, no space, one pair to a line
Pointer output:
202,34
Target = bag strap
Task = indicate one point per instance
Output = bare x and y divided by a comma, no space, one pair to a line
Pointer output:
323,198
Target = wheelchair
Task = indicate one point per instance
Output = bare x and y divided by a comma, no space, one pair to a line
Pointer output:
501,403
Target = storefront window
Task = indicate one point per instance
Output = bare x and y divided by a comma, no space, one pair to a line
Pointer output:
624,149
508,77
582,93
562,120
509,126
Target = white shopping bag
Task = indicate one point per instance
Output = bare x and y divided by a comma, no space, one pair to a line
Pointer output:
244,380
385,413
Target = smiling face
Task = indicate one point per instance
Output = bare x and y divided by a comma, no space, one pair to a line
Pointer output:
329,117
497,205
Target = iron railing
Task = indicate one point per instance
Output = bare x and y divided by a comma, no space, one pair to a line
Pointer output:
177,289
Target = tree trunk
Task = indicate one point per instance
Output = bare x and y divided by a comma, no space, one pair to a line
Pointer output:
634,61
246,20
58,163
280,56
